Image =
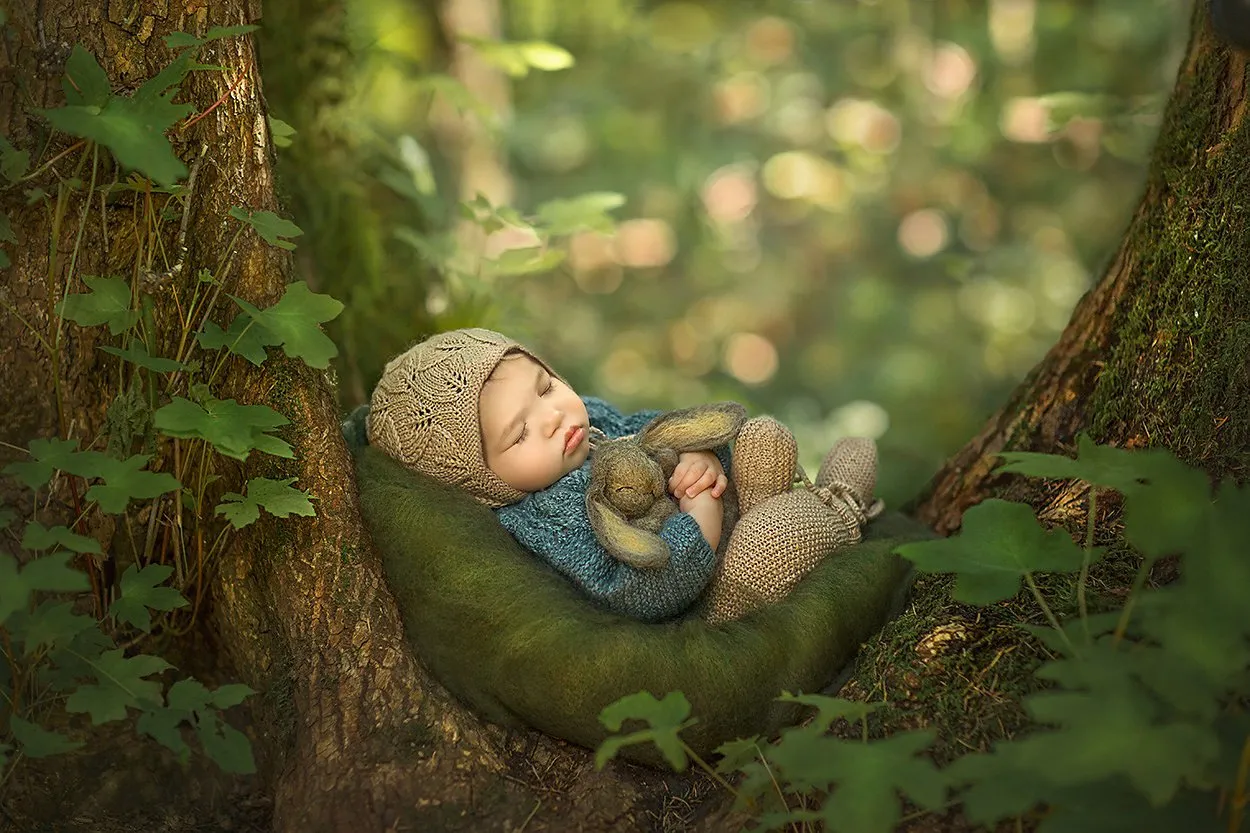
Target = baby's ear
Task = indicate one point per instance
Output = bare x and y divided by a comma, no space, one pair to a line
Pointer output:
694,429
629,544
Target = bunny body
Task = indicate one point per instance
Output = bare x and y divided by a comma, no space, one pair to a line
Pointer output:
776,533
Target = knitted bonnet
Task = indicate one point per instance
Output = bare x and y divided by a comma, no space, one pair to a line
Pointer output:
424,410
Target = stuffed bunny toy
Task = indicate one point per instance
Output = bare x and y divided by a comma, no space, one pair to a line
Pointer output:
774,533
628,498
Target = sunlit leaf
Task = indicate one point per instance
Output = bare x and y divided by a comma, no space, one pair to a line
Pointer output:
244,338
269,226
233,429
178,40
294,322
127,480
280,132
275,496
665,719
587,212
999,542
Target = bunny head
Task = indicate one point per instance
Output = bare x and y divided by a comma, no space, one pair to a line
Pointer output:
628,498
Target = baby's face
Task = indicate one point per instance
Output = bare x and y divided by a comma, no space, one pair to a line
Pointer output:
534,427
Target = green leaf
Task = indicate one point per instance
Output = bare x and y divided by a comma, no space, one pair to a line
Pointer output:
276,496
738,753
162,725
178,40
293,323
13,162
231,428
1000,786
1124,470
269,226
585,212
280,132
527,261
37,742
55,625
120,685
458,96
7,517
140,590
126,480
231,694
37,537
228,747
6,230
867,775
1000,541
108,302
48,573
137,353
829,709
244,338
50,455
546,56
85,82
665,717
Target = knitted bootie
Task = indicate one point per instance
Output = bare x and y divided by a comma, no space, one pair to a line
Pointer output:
765,459
848,475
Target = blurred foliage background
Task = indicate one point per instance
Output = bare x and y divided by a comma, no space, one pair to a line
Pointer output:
863,217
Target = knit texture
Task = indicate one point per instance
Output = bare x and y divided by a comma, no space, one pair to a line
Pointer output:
554,525
424,410
521,646
784,532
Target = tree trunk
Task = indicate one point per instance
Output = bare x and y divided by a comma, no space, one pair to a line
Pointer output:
355,735
1158,353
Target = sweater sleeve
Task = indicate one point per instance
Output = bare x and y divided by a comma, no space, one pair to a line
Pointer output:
554,525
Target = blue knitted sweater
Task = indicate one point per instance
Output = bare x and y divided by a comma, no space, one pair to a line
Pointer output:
553,524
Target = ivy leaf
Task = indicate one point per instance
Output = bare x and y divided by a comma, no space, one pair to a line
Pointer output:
231,694
138,354
49,455
276,496
47,572
13,162
108,302
140,590
178,40
665,717
126,480
526,261
233,429
868,776
85,82
1000,541
228,747
120,685
133,128
1124,470
269,226
585,212
293,323
829,709
37,537
55,625
244,338
38,742
280,132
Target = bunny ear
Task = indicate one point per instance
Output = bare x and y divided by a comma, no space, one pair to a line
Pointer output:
693,429
633,546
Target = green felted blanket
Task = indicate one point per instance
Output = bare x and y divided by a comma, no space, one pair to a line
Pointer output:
519,644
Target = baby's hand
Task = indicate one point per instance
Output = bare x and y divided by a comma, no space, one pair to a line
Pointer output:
697,471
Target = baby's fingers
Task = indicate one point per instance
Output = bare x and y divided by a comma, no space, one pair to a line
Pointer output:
722,483
706,480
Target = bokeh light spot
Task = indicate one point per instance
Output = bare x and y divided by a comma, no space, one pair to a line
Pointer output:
750,358
923,233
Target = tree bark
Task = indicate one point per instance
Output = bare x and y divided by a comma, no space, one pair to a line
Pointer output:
1158,353
355,736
